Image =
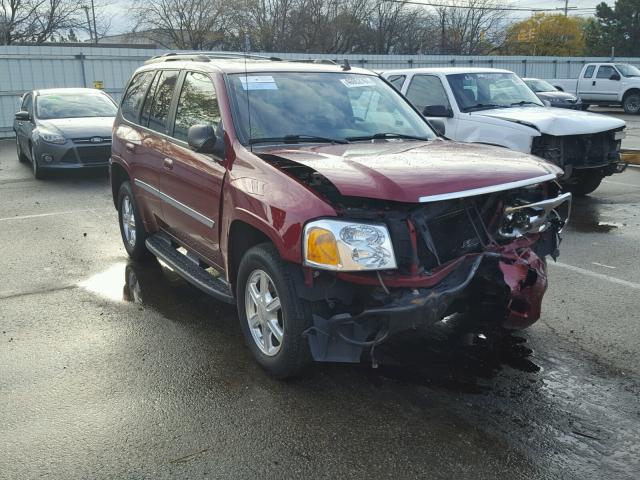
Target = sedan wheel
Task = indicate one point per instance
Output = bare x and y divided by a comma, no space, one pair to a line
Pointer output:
264,313
37,171
21,156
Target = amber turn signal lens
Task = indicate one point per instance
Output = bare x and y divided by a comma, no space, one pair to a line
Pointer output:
322,247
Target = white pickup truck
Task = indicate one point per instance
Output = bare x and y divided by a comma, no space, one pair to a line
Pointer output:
496,107
605,84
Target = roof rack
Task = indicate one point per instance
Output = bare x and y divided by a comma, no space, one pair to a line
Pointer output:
320,61
206,57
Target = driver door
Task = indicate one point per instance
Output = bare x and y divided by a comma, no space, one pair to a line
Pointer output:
603,88
427,91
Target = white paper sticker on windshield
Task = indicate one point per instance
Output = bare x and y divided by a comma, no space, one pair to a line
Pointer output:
353,81
258,82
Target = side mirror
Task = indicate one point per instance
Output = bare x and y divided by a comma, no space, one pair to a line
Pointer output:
438,126
614,76
437,111
201,138
22,115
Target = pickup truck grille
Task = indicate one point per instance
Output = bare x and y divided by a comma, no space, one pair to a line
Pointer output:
579,151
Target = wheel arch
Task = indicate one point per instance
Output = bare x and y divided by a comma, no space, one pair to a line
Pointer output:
242,236
118,175
630,91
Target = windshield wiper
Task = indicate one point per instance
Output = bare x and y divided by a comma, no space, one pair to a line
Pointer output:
482,106
382,136
526,102
296,138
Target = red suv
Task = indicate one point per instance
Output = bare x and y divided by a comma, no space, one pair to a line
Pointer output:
322,204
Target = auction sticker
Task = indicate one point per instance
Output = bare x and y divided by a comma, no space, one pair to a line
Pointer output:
354,81
258,82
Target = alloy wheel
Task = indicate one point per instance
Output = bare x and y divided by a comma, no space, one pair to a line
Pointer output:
128,221
264,313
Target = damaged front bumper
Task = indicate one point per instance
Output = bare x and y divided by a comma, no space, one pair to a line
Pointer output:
519,273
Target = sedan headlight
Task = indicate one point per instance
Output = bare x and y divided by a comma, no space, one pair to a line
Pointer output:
348,246
51,137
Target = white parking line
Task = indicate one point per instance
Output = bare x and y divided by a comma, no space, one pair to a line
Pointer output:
600,276
621,183
23,217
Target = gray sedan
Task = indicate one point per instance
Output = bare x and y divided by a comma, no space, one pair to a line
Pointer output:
64,128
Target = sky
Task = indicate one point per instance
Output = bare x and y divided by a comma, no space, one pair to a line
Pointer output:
119,10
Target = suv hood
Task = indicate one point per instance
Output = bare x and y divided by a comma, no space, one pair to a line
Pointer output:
80,127
555,121
418,171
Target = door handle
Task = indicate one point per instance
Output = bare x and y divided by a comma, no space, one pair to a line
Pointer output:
167,163
593,84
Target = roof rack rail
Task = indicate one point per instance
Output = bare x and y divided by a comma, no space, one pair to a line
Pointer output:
320,61
206,57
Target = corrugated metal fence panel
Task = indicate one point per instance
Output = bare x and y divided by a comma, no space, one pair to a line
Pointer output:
24,68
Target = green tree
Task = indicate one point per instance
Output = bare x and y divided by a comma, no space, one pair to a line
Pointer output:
618,27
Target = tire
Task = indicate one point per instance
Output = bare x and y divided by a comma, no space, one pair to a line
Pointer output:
22,158
585,184
290,355
38,172
585,107
131,226
631,103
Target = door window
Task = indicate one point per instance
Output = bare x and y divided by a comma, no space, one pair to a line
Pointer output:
197,105
397,81
162,101
426,90
588,73
132,101
605,72
27,104
146,107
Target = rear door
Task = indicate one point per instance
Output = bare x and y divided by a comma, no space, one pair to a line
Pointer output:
603,87
191,181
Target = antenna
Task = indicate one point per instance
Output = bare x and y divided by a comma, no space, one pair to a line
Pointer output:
247,48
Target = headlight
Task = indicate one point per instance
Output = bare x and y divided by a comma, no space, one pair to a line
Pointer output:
51,137
535,217
348,246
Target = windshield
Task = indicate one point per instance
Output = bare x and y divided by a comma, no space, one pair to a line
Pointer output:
480,91
74,105
628,70
330,107
538,85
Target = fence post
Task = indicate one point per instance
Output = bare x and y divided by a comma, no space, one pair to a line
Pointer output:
410,62
524,63
555,68
81,57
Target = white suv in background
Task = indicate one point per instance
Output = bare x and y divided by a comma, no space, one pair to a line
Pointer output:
492,106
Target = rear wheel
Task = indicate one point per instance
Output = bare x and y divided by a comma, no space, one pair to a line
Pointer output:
272,316
131,226
585,183
631,103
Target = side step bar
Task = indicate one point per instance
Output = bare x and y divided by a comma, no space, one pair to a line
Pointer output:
161,247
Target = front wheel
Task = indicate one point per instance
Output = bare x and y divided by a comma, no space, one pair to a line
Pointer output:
631,103
585,184
131,226
272,316
22,158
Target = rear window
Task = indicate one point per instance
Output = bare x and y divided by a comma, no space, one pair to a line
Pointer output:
162,100
132,101
588,73
397,81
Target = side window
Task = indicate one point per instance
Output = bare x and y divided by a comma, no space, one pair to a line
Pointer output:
197,105
588,73
27,104
427,90
132,101
397,81
146,106
162,101
605,71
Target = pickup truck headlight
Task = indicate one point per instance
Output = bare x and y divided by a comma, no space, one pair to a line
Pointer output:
535,217
348,246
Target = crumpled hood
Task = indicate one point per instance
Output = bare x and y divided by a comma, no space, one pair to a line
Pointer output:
555,121
80,127
557,94
418,171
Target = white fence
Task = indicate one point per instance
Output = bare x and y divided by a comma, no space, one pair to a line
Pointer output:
24,68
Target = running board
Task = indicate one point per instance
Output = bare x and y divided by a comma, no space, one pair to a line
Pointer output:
161,247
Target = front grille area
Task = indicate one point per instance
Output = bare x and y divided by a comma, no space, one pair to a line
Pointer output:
580,151
94,154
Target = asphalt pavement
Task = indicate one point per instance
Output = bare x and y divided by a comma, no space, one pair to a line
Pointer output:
112,369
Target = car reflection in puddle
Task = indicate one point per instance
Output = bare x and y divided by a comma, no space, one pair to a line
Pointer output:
586,217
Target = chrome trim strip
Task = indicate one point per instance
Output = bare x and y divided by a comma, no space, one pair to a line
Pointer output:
489,189
175,203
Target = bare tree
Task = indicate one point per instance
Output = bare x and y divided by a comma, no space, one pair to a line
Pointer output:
35,21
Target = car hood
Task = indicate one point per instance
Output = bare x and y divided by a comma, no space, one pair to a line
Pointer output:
556,95
81,127
417,171
555,121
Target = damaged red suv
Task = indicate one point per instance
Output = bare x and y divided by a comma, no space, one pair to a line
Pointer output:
320,202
